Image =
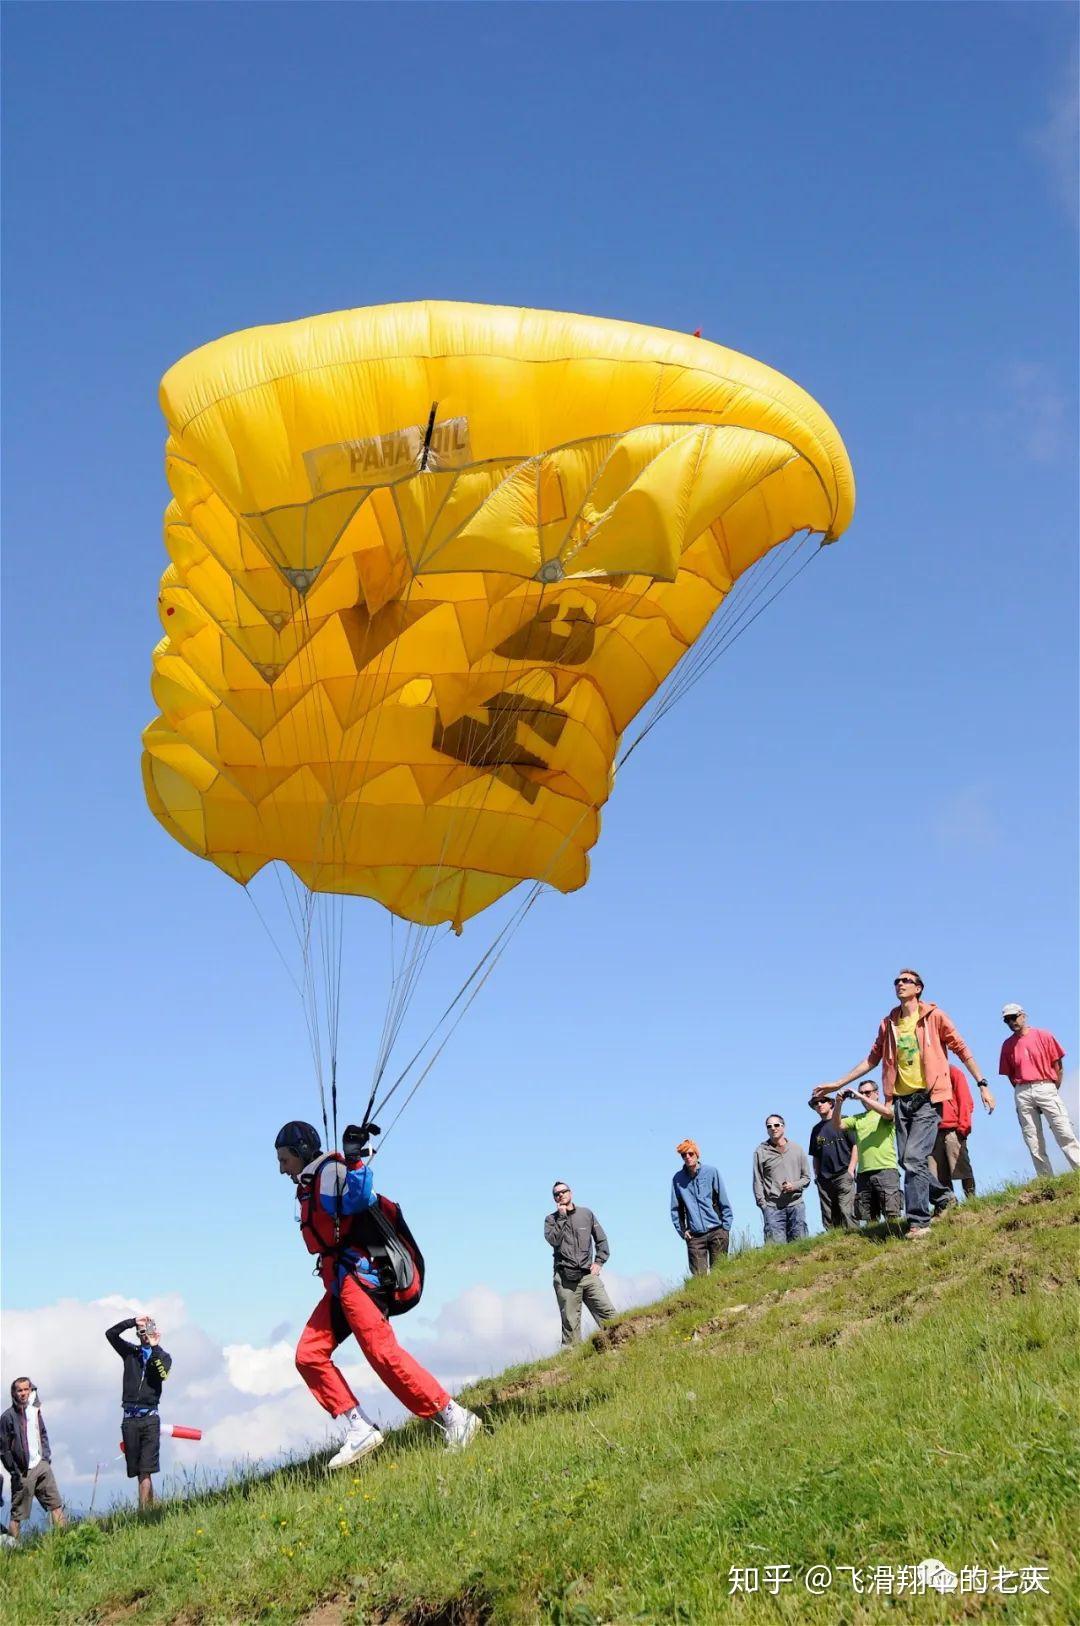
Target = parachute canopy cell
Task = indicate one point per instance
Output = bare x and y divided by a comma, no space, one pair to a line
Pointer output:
428,561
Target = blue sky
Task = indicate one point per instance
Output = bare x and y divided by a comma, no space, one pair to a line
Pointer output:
876,200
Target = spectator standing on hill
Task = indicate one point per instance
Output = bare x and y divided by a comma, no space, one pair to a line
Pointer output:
27,1456
877,1183
580,1247
912,1045
781,1175
1031,1060
949,1160
700,1210
834,1154
146,1366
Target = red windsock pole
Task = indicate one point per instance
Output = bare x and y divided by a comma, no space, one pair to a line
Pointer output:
176,1431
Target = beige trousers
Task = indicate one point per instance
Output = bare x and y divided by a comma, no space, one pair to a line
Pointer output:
1034,1102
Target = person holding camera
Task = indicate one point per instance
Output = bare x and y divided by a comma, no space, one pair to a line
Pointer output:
580,1248
25,1453
877,1180
912,1044
834,1154
334,1192
146,1366
700,1210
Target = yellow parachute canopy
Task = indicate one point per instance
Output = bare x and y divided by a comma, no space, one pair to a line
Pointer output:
428,563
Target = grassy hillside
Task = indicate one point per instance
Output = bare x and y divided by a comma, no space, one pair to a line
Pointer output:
850,1401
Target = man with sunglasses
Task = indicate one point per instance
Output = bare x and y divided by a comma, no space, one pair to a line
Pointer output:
833,1152
1031,1060
781,1175
580,1246
913,1043
700,1210
877,1182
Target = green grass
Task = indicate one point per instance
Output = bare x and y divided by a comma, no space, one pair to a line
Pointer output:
847,1401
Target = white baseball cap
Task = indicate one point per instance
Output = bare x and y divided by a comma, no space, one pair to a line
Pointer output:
1012,1010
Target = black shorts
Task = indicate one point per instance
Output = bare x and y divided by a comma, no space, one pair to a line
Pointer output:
142,1444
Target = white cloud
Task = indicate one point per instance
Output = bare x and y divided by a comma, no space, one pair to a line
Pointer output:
1055,140
965,820
254,1371
1036,413
248,1399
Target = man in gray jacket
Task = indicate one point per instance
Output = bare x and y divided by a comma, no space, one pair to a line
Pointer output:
781,1175
580,1247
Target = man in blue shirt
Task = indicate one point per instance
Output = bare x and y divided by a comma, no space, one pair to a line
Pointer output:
700,1210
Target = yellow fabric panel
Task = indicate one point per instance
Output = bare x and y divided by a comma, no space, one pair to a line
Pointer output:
428,562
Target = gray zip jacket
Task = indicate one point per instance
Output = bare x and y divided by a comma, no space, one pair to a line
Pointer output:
572,1236
772,1167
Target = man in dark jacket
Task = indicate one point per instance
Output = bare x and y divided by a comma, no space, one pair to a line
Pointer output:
834,1153
146,1366
700,1210
25,1453
580,1247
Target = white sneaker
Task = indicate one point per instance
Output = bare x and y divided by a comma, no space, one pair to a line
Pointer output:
358,1442
460,1426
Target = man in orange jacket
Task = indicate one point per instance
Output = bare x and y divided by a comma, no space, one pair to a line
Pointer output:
912,1045
949,1160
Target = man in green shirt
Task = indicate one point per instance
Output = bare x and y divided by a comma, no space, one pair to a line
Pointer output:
877,1184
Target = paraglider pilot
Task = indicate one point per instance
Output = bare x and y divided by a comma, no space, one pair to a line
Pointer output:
335,1193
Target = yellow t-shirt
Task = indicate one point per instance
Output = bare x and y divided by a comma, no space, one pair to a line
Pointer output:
909,1073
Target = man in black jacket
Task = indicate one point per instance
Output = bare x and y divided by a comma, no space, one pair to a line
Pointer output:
580,1247
146,1366
25,1453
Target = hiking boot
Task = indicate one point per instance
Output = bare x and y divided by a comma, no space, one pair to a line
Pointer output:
358,1442
917,1231
459,1426
944,1205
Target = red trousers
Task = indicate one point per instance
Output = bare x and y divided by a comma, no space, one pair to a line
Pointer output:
332,1320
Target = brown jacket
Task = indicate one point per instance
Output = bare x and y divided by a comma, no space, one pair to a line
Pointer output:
936,1036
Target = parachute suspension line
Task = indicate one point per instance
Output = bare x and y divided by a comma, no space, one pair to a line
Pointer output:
533,895
326,910
724,634
736,616
426,937
745,619
746,592
311,1026
538,678
493,953
414,960
499,943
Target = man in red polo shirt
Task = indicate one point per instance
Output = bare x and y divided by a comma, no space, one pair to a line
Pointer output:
1031,1060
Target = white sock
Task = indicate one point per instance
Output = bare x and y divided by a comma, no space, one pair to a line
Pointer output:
447,1413
356,1416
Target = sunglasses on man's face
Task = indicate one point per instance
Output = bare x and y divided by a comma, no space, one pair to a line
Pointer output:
898,982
